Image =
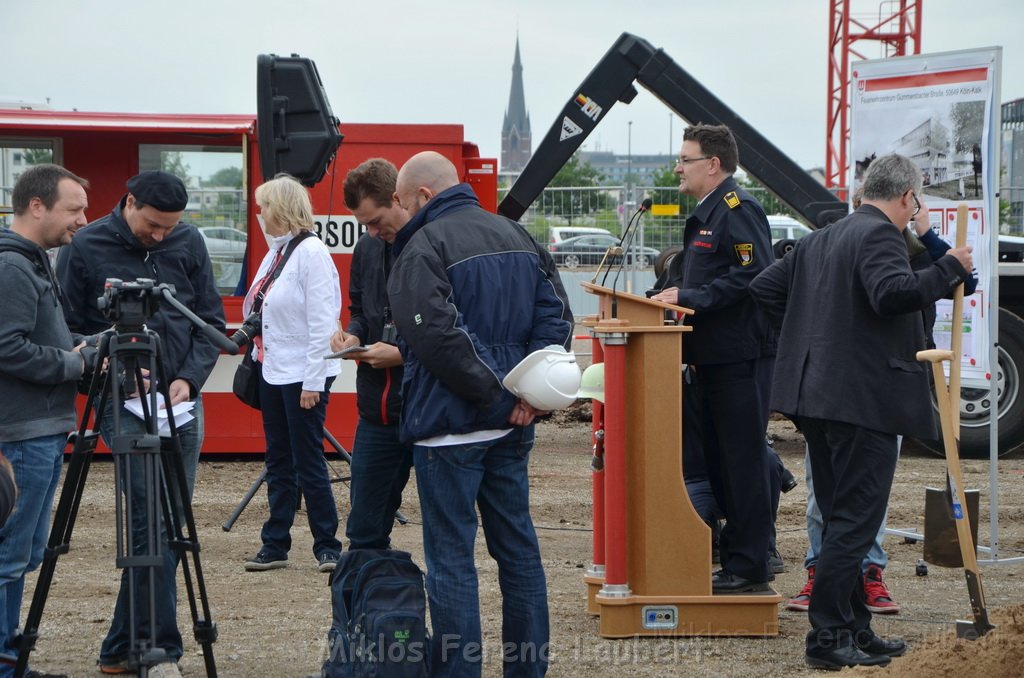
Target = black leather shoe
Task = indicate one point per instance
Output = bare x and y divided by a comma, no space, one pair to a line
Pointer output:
724,581
842,657
890,647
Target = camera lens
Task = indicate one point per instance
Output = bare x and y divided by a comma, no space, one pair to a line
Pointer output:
249,330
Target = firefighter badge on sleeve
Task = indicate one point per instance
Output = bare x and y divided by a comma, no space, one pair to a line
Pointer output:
745,253
732,200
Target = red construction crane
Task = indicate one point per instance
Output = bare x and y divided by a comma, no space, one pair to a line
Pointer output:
897,28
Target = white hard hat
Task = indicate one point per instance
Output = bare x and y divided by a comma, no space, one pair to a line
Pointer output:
592,383
547,379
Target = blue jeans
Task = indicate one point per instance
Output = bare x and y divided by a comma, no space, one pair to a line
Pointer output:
36,464
380,471
454,482
876,556
117,645
295,460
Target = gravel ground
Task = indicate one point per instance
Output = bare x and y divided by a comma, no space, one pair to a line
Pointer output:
275,623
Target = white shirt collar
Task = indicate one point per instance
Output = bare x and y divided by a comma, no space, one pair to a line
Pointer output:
281,241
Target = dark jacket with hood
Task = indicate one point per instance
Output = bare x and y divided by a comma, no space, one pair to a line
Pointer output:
378,391
472,295
38,370
106,248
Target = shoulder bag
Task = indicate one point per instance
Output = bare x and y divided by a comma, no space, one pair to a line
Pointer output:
249,373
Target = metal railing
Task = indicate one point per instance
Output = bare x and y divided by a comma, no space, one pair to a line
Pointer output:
610,207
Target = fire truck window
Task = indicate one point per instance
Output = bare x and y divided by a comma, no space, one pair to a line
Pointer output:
16,156
214,176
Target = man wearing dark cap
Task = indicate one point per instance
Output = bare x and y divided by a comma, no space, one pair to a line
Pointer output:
143,238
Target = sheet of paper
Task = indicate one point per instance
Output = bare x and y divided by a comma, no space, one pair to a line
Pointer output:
182,413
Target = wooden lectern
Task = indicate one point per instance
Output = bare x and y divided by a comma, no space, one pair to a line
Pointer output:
654,577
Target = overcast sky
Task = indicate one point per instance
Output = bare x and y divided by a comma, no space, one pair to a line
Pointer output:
449,61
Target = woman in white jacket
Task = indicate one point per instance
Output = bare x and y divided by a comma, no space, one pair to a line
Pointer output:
300,309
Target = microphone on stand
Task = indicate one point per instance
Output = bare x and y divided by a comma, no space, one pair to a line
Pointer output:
616,250
644,207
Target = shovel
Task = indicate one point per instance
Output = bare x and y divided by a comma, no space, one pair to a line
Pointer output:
941,546
949,414
975,592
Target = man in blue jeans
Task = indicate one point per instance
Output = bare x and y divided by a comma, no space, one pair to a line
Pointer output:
380,461
143,237
39,365
877,597
472,295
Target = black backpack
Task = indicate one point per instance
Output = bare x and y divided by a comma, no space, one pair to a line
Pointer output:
380,617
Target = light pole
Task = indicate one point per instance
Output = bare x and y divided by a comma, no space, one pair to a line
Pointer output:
629,202
629,163
626,194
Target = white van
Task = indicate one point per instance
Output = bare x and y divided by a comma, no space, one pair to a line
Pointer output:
786,228
560,233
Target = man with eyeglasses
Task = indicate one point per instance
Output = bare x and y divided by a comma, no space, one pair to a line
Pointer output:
924,247
726,243
847,305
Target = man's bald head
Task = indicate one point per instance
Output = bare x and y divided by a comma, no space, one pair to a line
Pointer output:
421,178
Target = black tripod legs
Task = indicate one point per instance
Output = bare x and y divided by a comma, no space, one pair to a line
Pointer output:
338,478
250,493
60,536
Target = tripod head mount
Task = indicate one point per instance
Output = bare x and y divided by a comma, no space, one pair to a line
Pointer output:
130,303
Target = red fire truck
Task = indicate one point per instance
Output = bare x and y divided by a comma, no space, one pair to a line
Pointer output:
222,156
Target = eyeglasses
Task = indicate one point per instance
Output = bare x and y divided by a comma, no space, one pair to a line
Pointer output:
686,161
917,204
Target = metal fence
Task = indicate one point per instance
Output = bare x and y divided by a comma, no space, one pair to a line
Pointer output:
610,207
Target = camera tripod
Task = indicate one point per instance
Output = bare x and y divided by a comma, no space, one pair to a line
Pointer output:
165,505
336,478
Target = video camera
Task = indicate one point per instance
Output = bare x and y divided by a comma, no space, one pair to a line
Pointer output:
129,304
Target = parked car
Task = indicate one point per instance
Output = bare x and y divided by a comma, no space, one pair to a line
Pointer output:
561,233
588,250
786,228
226,246
224,242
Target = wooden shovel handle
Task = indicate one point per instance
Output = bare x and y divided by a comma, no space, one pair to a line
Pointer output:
934,355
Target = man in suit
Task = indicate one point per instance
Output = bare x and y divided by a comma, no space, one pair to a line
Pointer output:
847,306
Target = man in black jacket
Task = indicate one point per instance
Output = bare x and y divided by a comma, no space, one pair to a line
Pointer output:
472,295
727,242
143,237
847,305
40,362
380,461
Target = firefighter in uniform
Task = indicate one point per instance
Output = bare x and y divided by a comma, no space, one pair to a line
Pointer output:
726,243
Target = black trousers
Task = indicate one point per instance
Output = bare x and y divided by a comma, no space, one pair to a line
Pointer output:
734,416
853,469
695,473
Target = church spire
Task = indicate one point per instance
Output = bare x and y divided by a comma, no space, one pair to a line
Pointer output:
516,146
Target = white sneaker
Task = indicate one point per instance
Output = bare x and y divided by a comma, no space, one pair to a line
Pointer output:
165,670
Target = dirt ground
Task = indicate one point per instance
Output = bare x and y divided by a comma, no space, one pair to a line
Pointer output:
275,623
